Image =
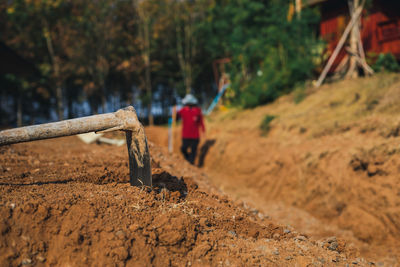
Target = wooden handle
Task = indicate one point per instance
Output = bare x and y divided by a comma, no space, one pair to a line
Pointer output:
123,119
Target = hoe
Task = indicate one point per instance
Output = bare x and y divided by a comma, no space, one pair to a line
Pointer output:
121,120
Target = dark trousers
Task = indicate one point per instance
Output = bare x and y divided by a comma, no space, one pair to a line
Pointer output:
191,144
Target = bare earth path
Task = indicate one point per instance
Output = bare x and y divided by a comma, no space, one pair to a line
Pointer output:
330,165
65,203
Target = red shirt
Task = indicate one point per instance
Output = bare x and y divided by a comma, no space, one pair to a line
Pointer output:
192,121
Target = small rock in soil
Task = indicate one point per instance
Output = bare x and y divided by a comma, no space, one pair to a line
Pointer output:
254,211
331,239
26,261
41,258
204,222
201,250
120,234
333,246
276,236
232,233
300,238
121,253
133,227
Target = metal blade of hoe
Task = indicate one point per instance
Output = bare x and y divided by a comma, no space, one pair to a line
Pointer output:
123,119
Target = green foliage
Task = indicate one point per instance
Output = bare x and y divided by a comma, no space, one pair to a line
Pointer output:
386,62
94,49
265,125
270,54
299,94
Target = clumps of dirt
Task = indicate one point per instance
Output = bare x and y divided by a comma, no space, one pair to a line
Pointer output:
162,180
335,129
370,166
334,244
381,130
393,131
368,128
68,213
374,161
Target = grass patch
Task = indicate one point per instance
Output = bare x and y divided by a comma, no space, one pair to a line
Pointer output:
265,125
299,94
327,110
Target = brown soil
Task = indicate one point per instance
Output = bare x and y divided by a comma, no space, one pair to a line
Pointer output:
329,165
65,203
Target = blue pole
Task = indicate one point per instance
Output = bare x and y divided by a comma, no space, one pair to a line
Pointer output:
216,99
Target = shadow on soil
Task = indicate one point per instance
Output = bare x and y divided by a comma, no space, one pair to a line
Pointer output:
204,150
172,183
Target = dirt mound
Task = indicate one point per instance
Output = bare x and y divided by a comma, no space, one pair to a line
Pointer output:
333,157
69,204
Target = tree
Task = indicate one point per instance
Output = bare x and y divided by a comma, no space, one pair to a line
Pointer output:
143,9
270,54
39,30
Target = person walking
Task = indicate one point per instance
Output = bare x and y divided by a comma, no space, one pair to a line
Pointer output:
192,123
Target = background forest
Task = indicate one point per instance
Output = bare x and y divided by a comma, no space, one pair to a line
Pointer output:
97,56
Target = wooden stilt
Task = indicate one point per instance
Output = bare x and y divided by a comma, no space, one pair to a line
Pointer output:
339,46
352,70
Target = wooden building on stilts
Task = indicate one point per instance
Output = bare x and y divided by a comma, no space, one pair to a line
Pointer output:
356,30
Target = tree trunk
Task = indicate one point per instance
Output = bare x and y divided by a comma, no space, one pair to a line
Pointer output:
56,71
101,76
339,46
188,56
70,107
104,101
148,71
185,52
60,103
145,32
298,8
352,72
181,57
19,110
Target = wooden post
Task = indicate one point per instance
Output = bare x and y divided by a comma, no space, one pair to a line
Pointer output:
339,46
361,54
298,7
171,126
352,71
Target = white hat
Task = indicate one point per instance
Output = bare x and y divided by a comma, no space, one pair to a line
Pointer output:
189,99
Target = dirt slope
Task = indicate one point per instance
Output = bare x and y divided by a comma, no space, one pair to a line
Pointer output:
64,203
334,155
330,165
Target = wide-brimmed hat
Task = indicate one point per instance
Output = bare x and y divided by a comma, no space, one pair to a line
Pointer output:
189,99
